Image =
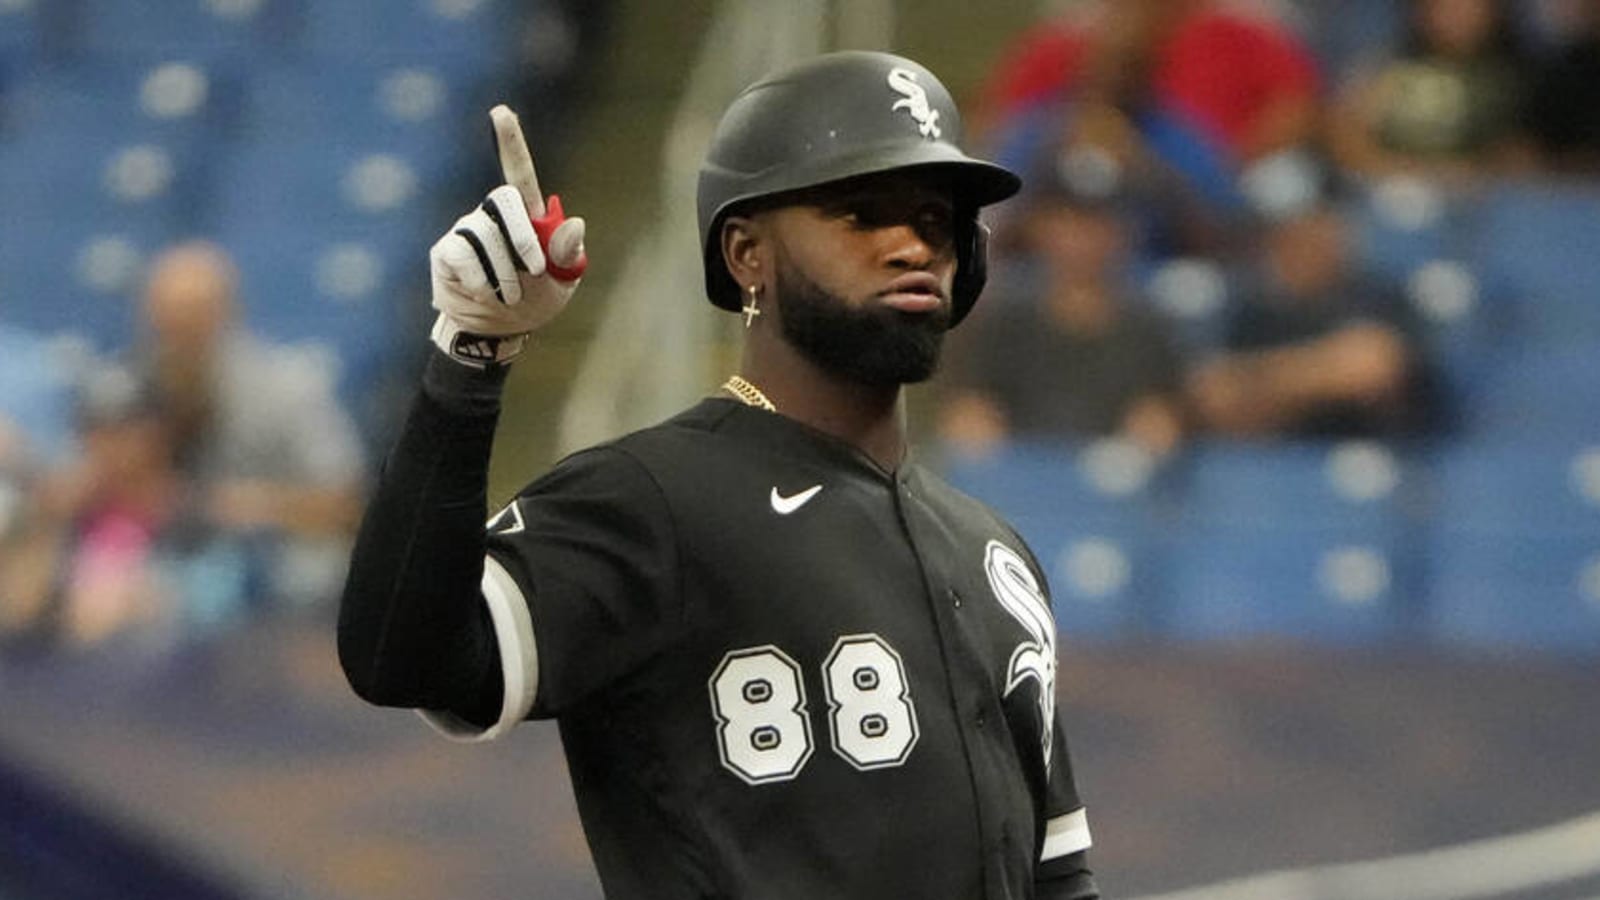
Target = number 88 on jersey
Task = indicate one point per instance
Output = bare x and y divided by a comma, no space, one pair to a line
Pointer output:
763,724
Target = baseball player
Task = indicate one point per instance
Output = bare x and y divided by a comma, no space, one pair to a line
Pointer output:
787,660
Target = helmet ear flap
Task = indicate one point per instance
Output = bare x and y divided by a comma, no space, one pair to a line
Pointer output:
972,265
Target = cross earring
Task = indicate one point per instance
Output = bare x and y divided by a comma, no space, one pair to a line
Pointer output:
749,310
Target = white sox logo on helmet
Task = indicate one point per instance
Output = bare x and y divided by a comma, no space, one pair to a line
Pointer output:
914,101
1018,592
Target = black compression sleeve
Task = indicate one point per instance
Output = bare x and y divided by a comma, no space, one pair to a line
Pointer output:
413,628
1067,878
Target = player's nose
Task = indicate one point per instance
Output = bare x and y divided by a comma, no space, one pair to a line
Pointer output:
906,247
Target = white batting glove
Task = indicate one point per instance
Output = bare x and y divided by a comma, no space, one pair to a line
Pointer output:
508,267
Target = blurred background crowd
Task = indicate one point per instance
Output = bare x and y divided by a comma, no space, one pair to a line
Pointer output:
1347,246
1291,334
214,219
1309,289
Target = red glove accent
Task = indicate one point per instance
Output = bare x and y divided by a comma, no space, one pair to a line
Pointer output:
545,226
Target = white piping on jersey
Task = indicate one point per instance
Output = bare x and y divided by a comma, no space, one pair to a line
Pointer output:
508,520
1066,834
785,505
519,660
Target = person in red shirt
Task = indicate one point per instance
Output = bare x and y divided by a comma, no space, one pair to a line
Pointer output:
1237,78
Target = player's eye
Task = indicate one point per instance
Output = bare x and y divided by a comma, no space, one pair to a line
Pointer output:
858,213
935,222
932,219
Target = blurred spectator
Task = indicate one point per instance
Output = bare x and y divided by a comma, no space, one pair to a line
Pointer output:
24,579
1445,103
79,559
36,431
1182,96
1236,76
1314,348
258,433
1562,116
116,502
1078,357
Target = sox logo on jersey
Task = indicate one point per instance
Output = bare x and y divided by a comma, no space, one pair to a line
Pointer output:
1019,594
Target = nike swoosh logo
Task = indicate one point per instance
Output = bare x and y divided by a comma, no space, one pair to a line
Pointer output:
785,505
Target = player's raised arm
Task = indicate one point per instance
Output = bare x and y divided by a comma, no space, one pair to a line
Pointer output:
413,630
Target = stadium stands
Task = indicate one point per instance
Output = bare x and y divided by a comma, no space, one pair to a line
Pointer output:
318,161
260,123
1470,545
38,396
1091,515
1541,242
242,30
465,31
1290,539
1326,584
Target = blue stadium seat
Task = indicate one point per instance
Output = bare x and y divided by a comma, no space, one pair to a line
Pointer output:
1357,484
475,33
175,99
414,106
357,290
36,390
1332,585
22,37
1089,512
62,176
1514,547
212,29
1542,244
75,275
1494,590
1400,225
76,223
1089,480
1514,551
1463,323
1306,541
1540,392
1517,488
1105,576
319,180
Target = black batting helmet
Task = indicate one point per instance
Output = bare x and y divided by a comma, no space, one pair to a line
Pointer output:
838,116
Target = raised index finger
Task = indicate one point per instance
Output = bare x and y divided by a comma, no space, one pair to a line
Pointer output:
516,163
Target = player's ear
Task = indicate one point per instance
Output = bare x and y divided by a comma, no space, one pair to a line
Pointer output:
744,248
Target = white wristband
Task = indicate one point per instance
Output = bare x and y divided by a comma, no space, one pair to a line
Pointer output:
476,350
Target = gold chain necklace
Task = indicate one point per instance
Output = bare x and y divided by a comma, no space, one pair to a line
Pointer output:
748,393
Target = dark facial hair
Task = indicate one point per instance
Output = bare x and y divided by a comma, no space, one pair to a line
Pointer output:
872,345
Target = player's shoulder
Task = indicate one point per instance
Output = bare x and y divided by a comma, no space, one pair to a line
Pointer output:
651,452
681,442
695,424
972,519
958,505
723,438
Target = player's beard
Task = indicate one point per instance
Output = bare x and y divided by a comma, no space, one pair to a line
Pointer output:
873,345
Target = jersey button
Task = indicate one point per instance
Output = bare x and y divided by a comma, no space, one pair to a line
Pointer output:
980,720
955,598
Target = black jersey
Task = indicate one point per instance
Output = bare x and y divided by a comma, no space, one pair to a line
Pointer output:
783,672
